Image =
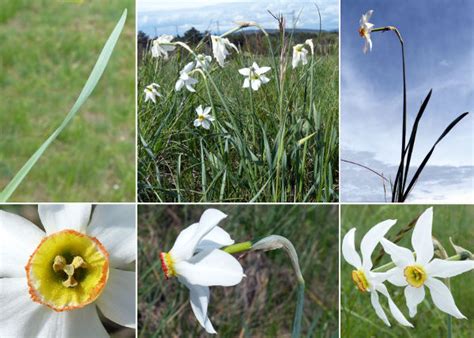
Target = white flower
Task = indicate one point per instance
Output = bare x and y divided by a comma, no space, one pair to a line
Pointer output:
254,76
416,273
365,279
185,79
203,61
160,46
204,119
309,42
365,27
219,48
299,55
53,282
151,92
198,263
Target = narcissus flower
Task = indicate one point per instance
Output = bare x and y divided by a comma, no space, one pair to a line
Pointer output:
365,27
365,279
185,80
309,42
300,55
161,46
53,282
204,118
416,273
203,61
151,92
197,262
219,48
254,76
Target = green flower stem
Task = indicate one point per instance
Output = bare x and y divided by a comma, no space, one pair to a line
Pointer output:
388,266
238,247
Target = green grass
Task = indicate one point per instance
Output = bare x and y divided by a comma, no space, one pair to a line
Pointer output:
251,152
358,319
48,50
263,304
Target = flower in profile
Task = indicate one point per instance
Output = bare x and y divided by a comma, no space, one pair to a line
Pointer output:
365,27
203,61
53,281
416,273
204,118
365,279
161,46
197,262
219,48
254,76
151,92
299,55
309,42
185,80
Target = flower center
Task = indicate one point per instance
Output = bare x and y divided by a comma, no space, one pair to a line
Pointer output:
67,271
254,76
362,32
201,118
167,264
359,278
415,275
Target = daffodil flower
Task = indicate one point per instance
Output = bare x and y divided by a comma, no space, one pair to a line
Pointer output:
203,61
204,118
219,48
53,281
416,273
300,54
151,92
161,46
364,278
185,80
254,76
365,27
197,262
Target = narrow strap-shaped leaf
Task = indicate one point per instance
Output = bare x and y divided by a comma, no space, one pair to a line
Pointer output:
411,142
92,81
427,157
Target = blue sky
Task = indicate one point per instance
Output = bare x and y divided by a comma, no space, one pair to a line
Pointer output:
169,17
439,46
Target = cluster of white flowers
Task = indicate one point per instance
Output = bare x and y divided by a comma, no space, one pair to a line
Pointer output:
411,270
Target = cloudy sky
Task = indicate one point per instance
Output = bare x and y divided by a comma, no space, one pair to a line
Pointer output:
440,55
172,17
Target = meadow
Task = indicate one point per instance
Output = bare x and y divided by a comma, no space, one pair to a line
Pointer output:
263,304
277,144
358,318
48,50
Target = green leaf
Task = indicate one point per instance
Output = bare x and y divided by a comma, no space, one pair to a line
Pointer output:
92,81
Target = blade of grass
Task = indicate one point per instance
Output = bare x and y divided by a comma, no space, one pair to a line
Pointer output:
92,81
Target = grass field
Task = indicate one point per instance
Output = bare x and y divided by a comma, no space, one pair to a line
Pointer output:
358,318
48,50
263,304
251,152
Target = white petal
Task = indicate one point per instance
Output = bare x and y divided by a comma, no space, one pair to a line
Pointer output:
57,217
255,84
442,298
209,219
21,317
206,124
179,85
245,71
207,110
442,268
371,239
262,70
114,227
246,83
397,314
199,299
374,298
348,250
421,237
18,239
211,267
189,67
190,88
117,301
396,277
215,239
414,296
401,256
197,122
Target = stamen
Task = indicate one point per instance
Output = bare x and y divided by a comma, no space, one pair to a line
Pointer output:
360,280
415,275
60,265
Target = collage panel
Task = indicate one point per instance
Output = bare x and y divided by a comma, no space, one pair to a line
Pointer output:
67,133
254,258
238,101
68,270
406,101
413,276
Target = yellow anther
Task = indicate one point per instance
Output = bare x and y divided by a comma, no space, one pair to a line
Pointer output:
359,278
69,269
415,275
59,263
